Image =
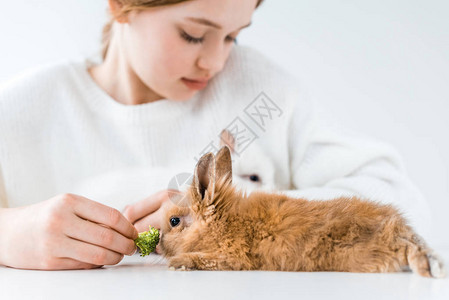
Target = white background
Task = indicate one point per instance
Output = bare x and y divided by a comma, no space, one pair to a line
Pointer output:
381,67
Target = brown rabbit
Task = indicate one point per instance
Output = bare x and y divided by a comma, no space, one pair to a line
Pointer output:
220,228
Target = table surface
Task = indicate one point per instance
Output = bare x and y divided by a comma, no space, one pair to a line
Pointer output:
148,277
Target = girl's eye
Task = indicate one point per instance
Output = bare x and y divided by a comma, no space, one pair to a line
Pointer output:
174,221
230,39
191,39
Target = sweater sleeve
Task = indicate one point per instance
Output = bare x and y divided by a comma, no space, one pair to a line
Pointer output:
328,161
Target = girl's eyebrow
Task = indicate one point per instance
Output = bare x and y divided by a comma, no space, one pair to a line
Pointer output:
210,23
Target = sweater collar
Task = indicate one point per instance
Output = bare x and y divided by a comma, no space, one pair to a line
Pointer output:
100,101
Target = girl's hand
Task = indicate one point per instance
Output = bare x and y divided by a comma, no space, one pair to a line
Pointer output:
64,232
148,211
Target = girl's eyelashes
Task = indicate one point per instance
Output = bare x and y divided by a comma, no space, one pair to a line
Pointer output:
193,40
230,39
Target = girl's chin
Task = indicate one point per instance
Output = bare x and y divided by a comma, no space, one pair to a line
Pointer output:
180,92
183,96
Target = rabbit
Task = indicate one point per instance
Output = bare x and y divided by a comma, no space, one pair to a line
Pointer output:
214,226
252,168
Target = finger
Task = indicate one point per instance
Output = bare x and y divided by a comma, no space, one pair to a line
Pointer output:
88,253
145,207
72,264
102,214
103,236
154,220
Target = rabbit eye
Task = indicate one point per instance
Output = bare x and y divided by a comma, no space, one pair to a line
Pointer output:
254,178
174,221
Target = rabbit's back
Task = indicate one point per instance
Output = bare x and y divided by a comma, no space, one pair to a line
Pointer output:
299,235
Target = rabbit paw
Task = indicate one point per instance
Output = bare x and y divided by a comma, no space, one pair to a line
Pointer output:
437,269
181,263
182,268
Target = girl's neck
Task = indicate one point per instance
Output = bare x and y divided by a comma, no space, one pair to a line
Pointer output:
117,78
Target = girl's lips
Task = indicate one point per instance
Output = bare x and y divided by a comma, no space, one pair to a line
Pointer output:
194,85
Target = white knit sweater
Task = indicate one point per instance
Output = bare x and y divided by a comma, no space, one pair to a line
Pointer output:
60,133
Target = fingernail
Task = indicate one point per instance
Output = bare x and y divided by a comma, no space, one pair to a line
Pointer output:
134,252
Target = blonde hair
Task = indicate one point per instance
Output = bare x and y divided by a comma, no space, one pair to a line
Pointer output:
126,7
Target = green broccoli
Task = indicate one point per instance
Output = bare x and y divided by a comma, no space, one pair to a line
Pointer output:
147,241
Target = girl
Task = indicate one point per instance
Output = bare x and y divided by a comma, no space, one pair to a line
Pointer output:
171,79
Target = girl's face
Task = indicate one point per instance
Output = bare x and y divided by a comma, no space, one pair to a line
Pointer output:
166,46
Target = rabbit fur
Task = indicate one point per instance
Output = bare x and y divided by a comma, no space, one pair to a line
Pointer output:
215,226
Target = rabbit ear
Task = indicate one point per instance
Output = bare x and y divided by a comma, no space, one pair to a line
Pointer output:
227,139
204,178
223,164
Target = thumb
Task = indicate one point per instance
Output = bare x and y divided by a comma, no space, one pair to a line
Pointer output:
145,207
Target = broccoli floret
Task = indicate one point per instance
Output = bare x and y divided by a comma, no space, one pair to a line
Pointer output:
147,241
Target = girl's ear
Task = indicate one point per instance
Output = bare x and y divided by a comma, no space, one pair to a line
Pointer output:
115,7
204,179
223,165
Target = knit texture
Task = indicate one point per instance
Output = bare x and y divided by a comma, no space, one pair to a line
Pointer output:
61,133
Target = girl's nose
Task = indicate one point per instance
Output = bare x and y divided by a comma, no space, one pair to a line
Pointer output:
212,60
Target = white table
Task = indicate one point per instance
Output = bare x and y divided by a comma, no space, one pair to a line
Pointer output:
138,278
